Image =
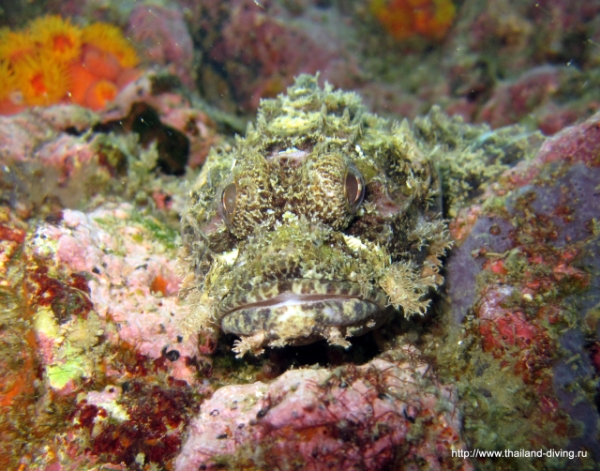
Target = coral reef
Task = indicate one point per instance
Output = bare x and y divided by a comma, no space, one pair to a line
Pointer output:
100,255
249,51
525,63
523,283
92,287
54,61
104,366
78,155
252,52
246,50
97,284
162,36
387,412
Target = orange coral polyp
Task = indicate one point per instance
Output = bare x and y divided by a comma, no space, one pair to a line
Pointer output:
7,80
109,38
10,102
42,81
102,63
15,46
62,43
81,80
38,84
54,61
57,37
99,94
406,18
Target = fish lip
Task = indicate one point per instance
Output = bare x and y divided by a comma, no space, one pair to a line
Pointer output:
300,291
293,298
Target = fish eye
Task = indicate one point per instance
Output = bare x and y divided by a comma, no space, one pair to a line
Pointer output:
354,188
228,200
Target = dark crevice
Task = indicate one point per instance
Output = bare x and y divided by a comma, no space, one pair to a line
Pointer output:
173,146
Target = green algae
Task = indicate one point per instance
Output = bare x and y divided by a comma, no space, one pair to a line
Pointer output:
158,231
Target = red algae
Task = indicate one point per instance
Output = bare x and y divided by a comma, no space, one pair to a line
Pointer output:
155,419
530,262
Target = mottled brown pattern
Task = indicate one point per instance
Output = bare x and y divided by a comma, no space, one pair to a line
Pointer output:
312,224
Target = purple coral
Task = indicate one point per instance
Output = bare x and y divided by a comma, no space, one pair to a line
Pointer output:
529,274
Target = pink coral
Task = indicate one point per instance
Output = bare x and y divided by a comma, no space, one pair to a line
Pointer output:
351,417
164,39
121,260
511,102
259,51
578,143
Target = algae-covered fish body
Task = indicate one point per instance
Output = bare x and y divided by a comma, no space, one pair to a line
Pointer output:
322,222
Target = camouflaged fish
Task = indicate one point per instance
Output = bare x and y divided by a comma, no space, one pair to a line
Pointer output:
323,222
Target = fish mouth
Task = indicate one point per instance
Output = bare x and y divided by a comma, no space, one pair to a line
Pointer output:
296,312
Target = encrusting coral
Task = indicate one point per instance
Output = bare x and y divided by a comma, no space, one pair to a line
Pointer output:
54,61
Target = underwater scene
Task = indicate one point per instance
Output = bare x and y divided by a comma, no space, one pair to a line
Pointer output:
299,235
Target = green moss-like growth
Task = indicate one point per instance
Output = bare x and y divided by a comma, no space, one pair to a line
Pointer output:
470,157
320,197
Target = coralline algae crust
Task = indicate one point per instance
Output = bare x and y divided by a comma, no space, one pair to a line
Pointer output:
391,410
